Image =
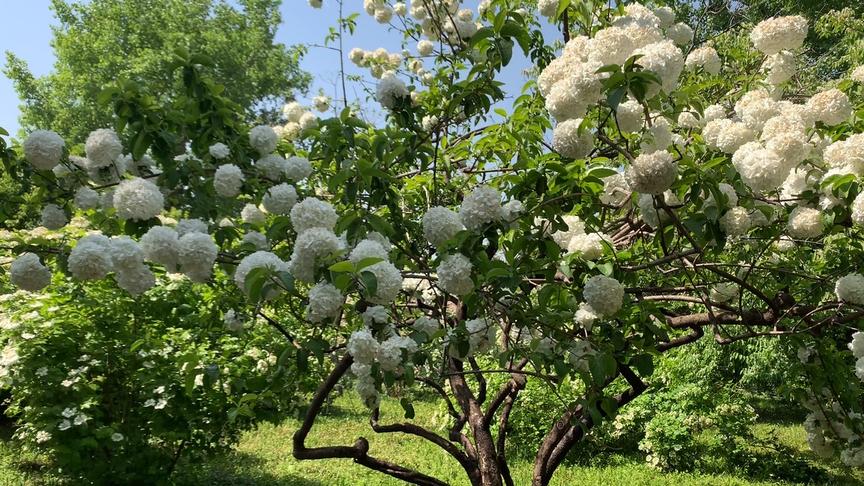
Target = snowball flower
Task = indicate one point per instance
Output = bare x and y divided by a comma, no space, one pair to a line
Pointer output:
805,222
367,249
43,149
390,90
680,33
857,208
727,135
761,169
363,346
263,139
573,94
219,151
481,335
389,282
313,213
292,111
587,245
426,325
776,34
547,8
259,259
615,190
575,226
481,207
454,274
325,302
857,75
569,142
831,107
705,57
297,168
322,103
53,217
664,59
857,343
86,198
272,166
310,246
102,148
125,253
228,180
136,279
604,294
585,316
252,215
630,116
197,253
193,225
441,224
850,288
736,221
256,239
161,245
780,67
279,199
138,199
308,121
425,47
91,258
28,273
652,173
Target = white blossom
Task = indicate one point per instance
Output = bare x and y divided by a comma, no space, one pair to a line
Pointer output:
390,90
250,214
805,222
138,199
441,224
454,274
28,273
736,221
228,180
705,57
257,240
43,149
313,213
91,258
325,302
652,173
604,294
53,217
630,115
779,33
272,166
297,168
197,253
388,282
481,207
850,288
831,107
280,199
259,259
263,139
161,245
102,147
569,142
86,198
219,151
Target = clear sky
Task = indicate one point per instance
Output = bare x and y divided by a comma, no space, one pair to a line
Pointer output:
29,37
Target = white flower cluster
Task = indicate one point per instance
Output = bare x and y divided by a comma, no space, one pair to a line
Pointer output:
297,168
86,198
160,245
28,273
569,142
299,118
325,302
233,322
138,199
481,207
481,336
585,316
441,224
805,222
831,107
378,61
850,288
616,191
321,103
127,261
280,199
228,180
652,173
197,253
736,221
259,259
603,294
250,214
705,57
576,241
780,33
263,139
391,90
91,258
102,148
391,355
443,19
257,240
43,149
219,151
454,274
53,217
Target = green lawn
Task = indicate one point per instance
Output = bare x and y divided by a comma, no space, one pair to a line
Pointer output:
264,458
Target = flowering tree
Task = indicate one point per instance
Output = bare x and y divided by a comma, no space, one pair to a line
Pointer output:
690,188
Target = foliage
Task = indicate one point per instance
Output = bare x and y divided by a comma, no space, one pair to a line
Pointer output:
113,387
102,41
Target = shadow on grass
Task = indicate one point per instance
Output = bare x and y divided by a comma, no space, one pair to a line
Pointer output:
234,469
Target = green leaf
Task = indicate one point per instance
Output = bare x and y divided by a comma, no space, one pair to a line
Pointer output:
367,262
370,282
408,407
342,267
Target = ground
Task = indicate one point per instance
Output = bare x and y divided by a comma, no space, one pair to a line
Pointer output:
263,458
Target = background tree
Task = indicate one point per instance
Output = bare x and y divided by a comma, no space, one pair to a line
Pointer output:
101,41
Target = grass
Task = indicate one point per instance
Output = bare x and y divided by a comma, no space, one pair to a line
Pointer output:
263,458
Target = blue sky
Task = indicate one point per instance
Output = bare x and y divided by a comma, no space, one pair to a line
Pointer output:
29,37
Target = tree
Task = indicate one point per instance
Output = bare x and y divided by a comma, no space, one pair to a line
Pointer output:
99,42
690,191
